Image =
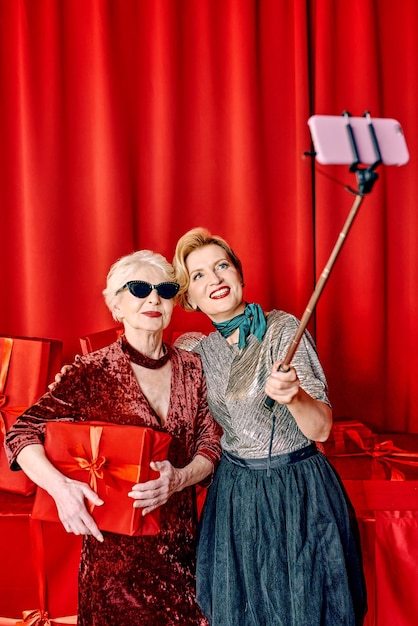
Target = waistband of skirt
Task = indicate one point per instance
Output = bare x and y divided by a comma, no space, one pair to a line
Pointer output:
274,461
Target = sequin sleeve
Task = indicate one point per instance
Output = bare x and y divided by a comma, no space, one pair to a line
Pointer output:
236,380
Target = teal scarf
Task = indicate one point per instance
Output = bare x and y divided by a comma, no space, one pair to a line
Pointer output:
252,321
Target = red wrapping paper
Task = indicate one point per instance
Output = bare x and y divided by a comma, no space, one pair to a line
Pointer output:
396,554
27,366
368,496
381,477
382,461
390,558
111,458
98,340
36,575
381,481
348,436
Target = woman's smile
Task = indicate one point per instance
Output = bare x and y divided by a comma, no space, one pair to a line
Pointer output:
220,293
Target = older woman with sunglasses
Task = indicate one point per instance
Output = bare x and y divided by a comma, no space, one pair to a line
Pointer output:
138,380
277,544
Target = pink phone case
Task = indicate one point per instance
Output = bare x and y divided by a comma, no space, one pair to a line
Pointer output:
332,143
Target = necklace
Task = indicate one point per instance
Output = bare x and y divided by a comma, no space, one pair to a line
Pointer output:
142,359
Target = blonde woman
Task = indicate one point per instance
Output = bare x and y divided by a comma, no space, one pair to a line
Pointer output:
278,544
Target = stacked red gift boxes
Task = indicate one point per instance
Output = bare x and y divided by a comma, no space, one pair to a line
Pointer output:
380,475
38,577
379,472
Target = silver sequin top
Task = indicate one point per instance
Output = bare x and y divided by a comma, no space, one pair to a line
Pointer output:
236,380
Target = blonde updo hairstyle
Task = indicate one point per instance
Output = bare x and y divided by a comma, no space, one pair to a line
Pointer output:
125,267
189,242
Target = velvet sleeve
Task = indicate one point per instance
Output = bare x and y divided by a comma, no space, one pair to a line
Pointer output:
63,403
208,433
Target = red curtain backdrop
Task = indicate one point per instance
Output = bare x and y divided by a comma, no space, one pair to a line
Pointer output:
124,123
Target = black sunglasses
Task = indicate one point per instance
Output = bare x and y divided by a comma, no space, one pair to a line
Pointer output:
141,289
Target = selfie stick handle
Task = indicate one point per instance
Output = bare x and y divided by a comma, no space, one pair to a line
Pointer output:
284,367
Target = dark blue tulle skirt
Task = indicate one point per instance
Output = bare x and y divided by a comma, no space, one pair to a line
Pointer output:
279,546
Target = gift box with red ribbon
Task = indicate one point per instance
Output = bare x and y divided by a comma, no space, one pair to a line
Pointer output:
27,366
348,436
111,458
381,481
381,461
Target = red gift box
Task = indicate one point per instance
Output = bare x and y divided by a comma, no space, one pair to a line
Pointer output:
42,565
348,436
111,458
387,513
382,484
382,461
27,366
94,341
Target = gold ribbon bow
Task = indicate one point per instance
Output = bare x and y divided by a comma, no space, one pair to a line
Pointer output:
36,617
96,465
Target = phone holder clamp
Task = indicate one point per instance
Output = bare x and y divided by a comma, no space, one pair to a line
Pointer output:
366,177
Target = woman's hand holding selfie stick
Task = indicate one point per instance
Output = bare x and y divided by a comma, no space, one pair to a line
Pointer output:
366,177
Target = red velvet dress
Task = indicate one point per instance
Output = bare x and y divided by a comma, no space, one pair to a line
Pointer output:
147,580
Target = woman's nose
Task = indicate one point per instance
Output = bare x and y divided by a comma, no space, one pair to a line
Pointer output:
154,296
215,278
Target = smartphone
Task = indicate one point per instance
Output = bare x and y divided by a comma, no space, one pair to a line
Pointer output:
332,145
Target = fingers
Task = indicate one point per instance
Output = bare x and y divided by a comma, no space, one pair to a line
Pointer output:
87,520
79,522
158,466
56,380
91,495
282,386
147,509
72,504
83,524
59,376
285,373
154,493
147,499
93,529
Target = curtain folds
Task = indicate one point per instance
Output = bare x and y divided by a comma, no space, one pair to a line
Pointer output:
123,124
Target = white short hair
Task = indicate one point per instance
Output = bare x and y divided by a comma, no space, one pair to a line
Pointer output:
122,270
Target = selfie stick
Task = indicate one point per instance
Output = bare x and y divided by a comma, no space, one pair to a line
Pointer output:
366,178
